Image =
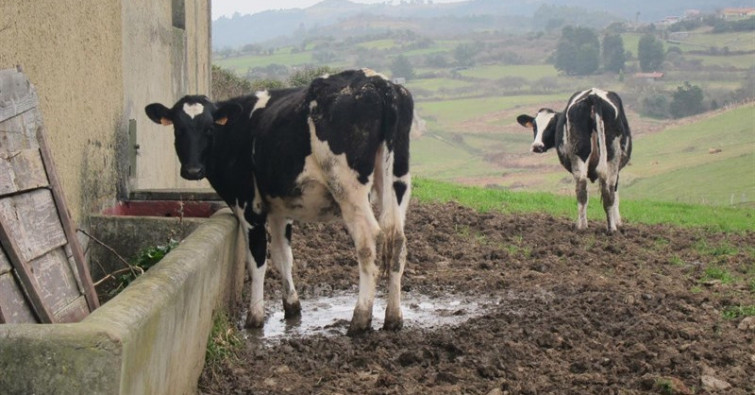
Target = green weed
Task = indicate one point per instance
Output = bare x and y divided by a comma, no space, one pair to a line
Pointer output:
676,261
664,386
718,273
734,312
224,343
146,259
661,244
724,249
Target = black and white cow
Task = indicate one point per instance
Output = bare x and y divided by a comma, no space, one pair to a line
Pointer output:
307,154
593,141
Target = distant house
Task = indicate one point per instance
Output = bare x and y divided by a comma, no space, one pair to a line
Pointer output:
654,76
669,20
399,80
737,13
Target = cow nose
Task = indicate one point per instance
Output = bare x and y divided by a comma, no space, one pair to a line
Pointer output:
193,173
538,148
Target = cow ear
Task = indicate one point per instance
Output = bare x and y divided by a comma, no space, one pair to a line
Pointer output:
158,113
525,120
227,113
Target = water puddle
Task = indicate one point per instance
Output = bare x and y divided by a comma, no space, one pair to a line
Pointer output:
331,315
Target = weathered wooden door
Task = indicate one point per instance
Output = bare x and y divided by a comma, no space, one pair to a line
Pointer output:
43,276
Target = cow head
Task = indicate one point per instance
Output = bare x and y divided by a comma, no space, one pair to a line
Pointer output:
195,120
543,126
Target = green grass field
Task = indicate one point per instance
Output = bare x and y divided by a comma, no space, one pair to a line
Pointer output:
448,112
494,72
727,219
677,165
285,57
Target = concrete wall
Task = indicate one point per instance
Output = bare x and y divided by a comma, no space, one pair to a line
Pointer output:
71,51
150,339
95,65
171,62
128,235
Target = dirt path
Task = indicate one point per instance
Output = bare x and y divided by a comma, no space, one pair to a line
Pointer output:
568,312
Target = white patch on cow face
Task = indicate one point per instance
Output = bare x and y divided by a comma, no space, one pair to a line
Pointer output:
262,98
192,110
542,119
604,95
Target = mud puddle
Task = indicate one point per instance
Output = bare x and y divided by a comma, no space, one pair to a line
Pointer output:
331,315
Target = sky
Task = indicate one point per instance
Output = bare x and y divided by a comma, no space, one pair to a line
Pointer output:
228,7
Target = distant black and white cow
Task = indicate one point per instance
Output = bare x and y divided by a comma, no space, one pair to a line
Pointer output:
307,154
593,140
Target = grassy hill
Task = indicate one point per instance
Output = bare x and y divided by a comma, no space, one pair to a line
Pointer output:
709,160
472,137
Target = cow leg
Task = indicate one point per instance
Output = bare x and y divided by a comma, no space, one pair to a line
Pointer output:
394,251
257,266
280,252
580,179
616,214
609,195
365,231
252,225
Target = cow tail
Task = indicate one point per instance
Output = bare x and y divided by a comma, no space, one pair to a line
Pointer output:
600,130
398,109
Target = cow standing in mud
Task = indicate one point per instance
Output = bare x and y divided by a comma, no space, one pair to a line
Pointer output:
593,141
309,154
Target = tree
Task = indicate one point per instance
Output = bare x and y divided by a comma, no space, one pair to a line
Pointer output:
650,53
511,82
613,53
402,67
437,60
655,106
465,53
304,76
323,56
226,84
577,52
688,100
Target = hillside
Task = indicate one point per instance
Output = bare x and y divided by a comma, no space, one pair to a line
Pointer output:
709,160
471,88
442,19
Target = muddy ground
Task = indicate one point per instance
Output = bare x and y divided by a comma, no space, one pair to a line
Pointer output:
648,310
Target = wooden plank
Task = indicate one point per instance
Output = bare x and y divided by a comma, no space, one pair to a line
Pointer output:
16,94
57,284
75,311
13,304
21,171
5,266
19,132
67,222
27,281
31,219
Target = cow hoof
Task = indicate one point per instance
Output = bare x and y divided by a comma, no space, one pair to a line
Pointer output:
253,322
291,310
393,324
360,323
